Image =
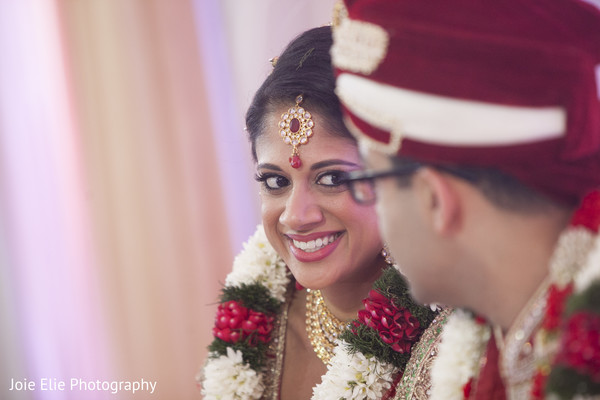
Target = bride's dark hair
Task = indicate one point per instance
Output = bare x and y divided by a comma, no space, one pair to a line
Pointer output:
304,68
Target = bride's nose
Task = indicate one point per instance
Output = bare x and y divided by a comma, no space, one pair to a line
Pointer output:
302,210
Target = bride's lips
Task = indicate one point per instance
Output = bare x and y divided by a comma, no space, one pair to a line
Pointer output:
315,246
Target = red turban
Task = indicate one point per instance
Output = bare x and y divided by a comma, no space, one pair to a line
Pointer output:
510,85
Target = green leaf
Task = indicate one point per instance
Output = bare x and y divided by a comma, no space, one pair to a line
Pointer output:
253,295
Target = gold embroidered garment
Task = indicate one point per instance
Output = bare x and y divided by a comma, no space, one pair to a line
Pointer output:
416,381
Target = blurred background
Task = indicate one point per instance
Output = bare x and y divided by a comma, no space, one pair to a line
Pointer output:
126,183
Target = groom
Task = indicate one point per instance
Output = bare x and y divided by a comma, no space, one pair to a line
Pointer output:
479,123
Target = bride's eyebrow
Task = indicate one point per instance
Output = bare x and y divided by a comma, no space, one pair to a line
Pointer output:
329,163
268,166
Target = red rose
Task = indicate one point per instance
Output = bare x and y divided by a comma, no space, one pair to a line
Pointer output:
580,344
235,323
396,326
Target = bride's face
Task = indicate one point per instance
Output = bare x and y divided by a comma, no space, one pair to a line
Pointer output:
310,219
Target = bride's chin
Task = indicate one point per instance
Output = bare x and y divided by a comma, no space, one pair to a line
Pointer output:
307,282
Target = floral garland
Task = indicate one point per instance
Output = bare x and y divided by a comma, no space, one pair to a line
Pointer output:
567,345
251,298
572,319
371,357
368,362
463,343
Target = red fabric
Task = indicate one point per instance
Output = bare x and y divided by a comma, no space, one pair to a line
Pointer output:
489,385
534,53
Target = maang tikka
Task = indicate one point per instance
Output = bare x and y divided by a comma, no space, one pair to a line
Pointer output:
295,127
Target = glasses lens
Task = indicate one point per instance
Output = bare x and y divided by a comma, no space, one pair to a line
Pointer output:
363,191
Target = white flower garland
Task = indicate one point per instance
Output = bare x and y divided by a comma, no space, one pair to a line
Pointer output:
229,378
591,272
259,262
572,250
349,376
463,344
354,376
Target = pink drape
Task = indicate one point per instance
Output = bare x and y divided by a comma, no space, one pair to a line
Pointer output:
125,181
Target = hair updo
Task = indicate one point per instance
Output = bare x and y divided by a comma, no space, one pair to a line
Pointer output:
304,68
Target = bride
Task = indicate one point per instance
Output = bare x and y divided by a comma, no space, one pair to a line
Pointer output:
313,307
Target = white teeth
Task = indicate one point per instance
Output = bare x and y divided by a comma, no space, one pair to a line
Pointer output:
314,245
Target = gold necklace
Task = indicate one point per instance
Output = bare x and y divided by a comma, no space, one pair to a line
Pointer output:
322,327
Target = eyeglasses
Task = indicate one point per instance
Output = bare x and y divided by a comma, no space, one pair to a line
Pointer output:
362,183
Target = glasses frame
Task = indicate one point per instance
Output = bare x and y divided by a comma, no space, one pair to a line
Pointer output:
352,178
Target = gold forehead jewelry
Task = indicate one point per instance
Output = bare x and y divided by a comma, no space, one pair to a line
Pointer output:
295,127
322,327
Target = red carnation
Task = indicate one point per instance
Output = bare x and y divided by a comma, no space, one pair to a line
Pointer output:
555,306
396,326
235,323
580,344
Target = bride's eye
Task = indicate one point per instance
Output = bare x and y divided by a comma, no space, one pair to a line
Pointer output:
272,181
331,178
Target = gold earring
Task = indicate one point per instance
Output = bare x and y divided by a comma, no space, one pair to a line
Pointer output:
385,253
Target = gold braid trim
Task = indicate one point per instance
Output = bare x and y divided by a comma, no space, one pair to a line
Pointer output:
416,381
